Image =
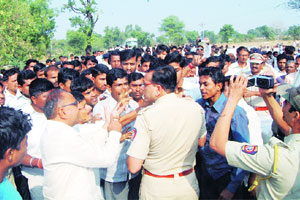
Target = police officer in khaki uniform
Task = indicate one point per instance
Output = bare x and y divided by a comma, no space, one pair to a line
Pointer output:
167,136
275,163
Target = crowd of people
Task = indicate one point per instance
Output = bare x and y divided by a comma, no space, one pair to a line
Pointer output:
168,122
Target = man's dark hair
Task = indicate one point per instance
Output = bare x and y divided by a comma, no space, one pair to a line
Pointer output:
127,54
160,48
289,50
138,52
52,101
114,74
242,48
100,69
51,68
76,63
25,75
146,58
185,62
86,72
290,58
39,67
27,63
134,76
81,84
91,58
156,62
67,63
78,96
38,86
215,74
188,53
166,77
173,57
14,125
281,56
113,53
65,74
173,47
48,61
216,59
10,72
227,58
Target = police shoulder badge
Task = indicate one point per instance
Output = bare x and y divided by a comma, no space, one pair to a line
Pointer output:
250,149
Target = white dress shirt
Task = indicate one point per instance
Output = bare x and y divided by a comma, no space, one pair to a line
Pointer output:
71,160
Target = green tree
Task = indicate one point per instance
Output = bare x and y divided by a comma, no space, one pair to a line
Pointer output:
191,36
25,30
294,32
162,39
144,38
59,47
113,37
226,33
213,38
97,42
87,19
251,35
173,29
266,32
76,41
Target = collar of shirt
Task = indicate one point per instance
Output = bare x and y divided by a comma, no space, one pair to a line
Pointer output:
166,97
292,138
218,105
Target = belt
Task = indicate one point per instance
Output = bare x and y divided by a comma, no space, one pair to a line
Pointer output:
261,108
184,173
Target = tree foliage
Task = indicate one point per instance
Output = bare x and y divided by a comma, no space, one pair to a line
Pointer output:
191,36
144,38
113,37
87,16
213,38
174,30
266,32
77,41
226,33
294,32
25,30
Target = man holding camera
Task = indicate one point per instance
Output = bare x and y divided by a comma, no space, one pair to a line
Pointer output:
253,97
277,162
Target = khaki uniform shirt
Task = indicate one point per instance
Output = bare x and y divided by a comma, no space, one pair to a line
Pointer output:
285,182
167,135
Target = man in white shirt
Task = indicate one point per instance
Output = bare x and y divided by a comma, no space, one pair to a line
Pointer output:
11,85
24,79
242,66
39,90
70,158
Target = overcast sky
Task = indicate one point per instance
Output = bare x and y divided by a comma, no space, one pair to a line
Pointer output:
212,14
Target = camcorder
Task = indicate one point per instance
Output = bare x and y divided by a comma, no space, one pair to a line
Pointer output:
265,82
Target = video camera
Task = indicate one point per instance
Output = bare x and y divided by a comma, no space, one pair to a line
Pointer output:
265,82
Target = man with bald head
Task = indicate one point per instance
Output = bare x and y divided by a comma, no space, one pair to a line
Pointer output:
71,158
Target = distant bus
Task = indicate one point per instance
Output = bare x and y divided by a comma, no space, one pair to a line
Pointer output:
131,42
